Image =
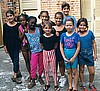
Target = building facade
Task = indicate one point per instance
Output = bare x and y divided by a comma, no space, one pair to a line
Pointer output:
78,8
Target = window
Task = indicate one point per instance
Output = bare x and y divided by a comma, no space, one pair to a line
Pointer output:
29,5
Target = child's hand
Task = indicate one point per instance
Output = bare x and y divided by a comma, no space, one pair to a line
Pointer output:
5,49
66,60
57,34
72,60
25,30
95,57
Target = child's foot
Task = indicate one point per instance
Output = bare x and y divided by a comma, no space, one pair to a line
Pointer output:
31,84
70,89
83,87
62,81
92,87
19,75
57,88
75,89
16,80
28,79
41,81
46,87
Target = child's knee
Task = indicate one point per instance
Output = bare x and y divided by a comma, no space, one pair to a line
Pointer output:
81,70
46,72
69,72
61,64
92,73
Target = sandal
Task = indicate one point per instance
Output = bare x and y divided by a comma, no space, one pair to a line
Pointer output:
16,80
46,87
92,87
75,90
83,88
57,88
69,89
19,75
41,81
31,84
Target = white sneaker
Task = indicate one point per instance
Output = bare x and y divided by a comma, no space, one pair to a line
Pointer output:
60,79
63,81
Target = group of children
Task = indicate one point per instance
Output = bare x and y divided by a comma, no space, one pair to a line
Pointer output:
48,44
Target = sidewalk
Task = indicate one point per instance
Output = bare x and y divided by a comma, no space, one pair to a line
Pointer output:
6,83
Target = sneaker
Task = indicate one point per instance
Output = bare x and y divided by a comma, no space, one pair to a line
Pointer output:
28,79
92,87
61,78
63,81
83,87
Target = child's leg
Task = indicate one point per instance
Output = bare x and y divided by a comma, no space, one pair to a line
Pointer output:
27,59
62,68
40,63
81,73
46,66
69,71
33,65
75,72
91,74
53,67
40,67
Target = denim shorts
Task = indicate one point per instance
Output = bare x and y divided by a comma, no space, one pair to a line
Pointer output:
69,53
86,57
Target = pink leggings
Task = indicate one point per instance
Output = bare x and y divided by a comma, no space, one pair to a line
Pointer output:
36,61
50,59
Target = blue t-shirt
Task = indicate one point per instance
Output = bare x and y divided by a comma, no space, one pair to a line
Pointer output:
66,17
86,41
70,42
34,41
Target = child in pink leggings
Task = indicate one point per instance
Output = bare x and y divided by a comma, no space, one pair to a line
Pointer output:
36,51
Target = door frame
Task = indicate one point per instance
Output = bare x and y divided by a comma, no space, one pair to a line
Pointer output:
1,27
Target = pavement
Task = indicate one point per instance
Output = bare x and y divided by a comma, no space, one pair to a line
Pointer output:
6,72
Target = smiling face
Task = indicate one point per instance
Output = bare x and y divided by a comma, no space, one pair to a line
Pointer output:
69,26
10,17
66,11
44,17
32,24
47,28
82,26
58,19
22,20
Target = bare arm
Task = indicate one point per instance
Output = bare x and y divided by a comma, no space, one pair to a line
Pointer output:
95,49
41,45
56,44
5,49
21,35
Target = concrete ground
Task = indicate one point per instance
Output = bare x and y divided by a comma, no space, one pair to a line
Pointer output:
6,83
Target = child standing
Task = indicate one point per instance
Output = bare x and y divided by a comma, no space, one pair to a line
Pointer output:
87,54
69,47
12,43
23,28
59,29
66,10
49,43
44,16
33,37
